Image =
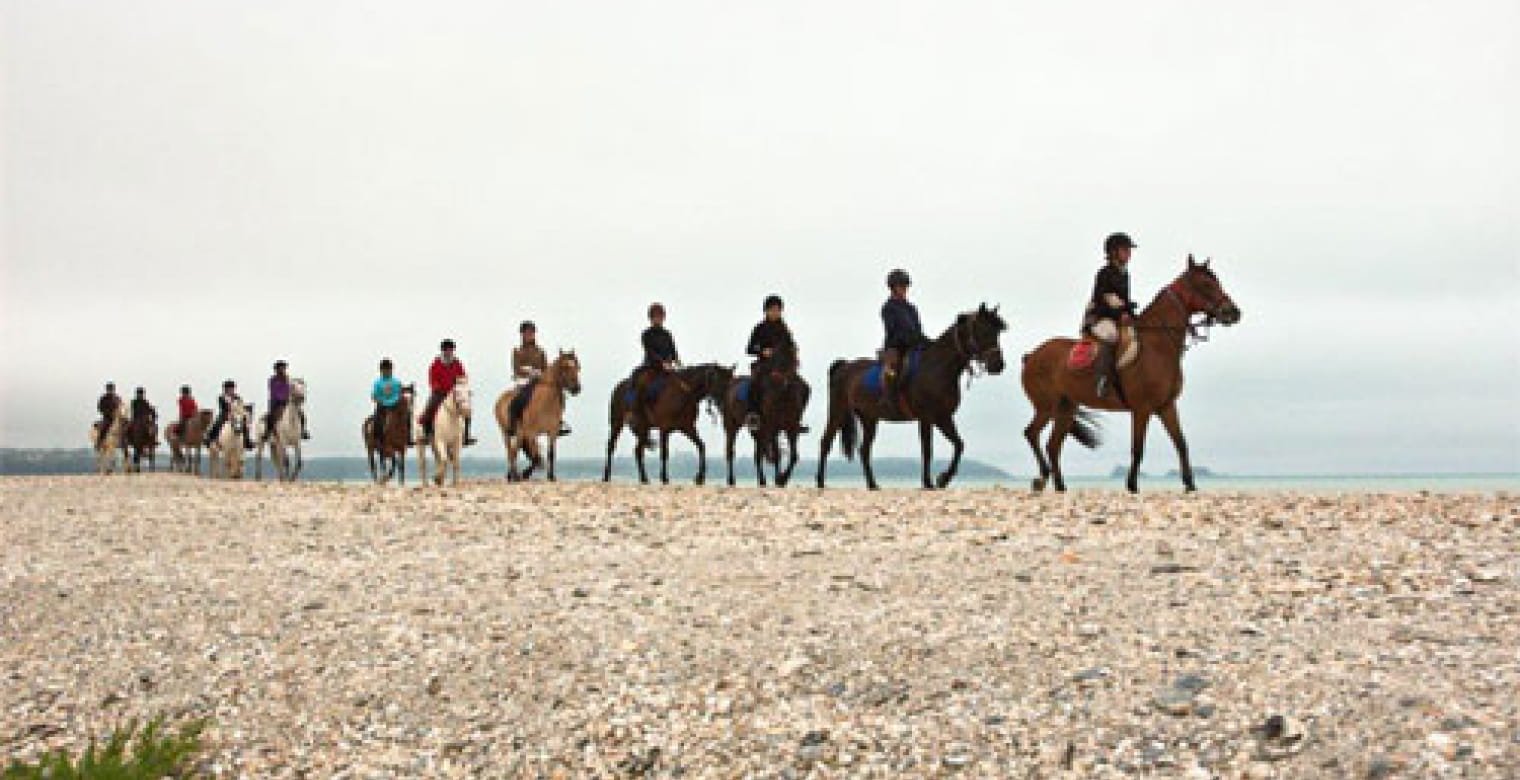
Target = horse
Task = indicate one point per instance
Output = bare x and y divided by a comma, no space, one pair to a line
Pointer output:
543,415
1148,386
783,399
929,394
191,435
448,430
176,447
107,447
673,409
141,438
283,436
391,452
226,450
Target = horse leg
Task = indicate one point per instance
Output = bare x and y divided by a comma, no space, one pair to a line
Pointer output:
374,474
1139,420
612,438
530,450
926,449
824,443
691,433
638,452
759,442
867,439
553,447
729,435
1064,423
791,459
1032,435
1173,425
512,447
664,457
947,427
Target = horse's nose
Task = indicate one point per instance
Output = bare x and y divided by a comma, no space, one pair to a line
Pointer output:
1231,314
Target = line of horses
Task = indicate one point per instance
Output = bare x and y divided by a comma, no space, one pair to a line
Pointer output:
1060,388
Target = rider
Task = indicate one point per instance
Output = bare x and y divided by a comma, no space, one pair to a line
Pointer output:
768,336
107,405
279,398
188,409
904,332
1110,306
142,410
386,394
528,364
223,408
442,376
660,357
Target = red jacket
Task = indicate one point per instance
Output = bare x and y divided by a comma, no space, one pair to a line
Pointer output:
187,408
442,377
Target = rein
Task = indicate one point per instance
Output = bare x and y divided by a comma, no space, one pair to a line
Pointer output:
976,359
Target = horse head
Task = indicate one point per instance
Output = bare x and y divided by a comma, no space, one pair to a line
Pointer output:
297,390
461,395
1199,291
567,368
714,381
976,337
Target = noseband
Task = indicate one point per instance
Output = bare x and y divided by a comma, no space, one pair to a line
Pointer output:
970,350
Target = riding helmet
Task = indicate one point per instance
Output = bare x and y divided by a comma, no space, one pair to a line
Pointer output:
228,383
279,364
184,389
526,326
898,278
140,391
1118,240
447,344
656,308
772,300
110,385
385,363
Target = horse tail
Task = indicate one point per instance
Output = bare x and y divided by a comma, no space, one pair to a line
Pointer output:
849,433
1086,428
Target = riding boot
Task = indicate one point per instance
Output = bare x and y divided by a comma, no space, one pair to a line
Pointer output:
305,434
427,432
247,440
564,428
512,421
468,439
1103,367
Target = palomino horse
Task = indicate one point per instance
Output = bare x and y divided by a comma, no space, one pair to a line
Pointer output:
673,409
284,438
391,451
543,416
929,393
448,431
226,451
141,438
1149,386
108,447
783,399
186,438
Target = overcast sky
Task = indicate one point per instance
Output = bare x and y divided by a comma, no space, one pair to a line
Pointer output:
194,189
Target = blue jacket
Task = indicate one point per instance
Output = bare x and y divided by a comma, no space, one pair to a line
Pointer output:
904,331
387,391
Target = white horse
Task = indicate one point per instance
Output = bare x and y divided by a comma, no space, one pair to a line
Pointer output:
107,448
448,431
284,438
226,449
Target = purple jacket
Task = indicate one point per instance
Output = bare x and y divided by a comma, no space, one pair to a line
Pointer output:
279,389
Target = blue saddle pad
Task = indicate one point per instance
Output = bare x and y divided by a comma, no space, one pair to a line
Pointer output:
873,377
651,390
742,391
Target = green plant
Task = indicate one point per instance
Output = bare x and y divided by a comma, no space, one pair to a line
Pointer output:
152,755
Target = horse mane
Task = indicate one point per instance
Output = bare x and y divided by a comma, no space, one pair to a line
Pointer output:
982,311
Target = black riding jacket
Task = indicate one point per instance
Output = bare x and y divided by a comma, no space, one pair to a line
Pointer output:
141,409
904,331
1111,280
659,347
769,335
107,404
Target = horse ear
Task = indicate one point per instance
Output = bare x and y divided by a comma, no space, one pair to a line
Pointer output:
1206,261
995,308
1191,264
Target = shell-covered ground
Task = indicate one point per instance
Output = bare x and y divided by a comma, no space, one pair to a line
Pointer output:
582,630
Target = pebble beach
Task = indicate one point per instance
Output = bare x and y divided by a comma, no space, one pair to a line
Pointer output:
584,630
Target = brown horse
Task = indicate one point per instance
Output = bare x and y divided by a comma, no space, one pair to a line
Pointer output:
186,441
141,438
1148,386
390,452
783,399
674,409
543,416
930,396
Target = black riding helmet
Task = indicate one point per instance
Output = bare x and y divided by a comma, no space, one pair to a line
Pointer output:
279,364
184,389
446,344
141,391
772,300
385,363
656,308
110,385
229,384
1118,240
526,326
898,277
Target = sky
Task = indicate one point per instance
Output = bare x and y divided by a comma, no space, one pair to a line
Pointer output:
190,190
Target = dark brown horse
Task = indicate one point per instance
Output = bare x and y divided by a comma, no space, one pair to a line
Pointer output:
783,399
140,441
389,453
1148,387
929,396
674,409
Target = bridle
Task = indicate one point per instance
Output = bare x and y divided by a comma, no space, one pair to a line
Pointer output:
1188,301
970,350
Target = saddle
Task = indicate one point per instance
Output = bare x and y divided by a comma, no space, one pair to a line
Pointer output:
652,387
875,379
741,389
1085,351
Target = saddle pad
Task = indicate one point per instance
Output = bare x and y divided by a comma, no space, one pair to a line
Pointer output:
873,376
651,390
742,390
1082,355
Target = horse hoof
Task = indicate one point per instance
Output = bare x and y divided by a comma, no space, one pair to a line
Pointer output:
943,481
1037,485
